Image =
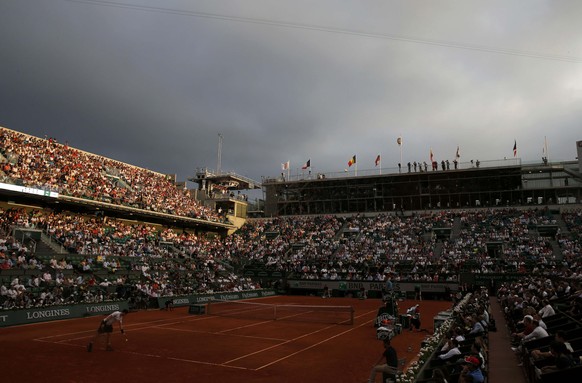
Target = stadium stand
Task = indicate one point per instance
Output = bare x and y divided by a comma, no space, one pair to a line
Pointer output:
52,256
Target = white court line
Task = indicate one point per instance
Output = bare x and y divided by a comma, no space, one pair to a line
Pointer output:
223,334
93,330
156,356
211,364
245,326
297,338
309,347
277,345
225,364
53,342
173,321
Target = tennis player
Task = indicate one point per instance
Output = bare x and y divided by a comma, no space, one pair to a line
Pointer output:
106,327
414,314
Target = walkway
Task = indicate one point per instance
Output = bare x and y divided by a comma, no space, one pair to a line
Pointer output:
503,363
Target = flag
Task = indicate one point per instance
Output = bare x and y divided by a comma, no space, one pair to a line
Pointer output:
307,164
285,165
399,140
431,156
377,162
515,148
352,161
458,154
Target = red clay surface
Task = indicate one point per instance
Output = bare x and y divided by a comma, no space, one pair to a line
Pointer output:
174,346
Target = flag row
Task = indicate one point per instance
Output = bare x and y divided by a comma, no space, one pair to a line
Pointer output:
377,162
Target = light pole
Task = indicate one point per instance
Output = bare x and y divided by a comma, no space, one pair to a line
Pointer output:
218,164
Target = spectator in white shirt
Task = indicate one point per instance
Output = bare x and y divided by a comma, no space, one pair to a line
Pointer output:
547,310
453,350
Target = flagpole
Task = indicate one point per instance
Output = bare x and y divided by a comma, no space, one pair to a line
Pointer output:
380,164
400,148
546,145
399,142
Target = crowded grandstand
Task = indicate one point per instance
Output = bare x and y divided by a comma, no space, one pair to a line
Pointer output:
79,228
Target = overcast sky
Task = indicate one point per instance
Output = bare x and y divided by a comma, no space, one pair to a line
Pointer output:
153,83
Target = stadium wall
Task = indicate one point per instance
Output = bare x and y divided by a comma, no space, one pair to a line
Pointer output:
354,287
185,300
45,314
408,288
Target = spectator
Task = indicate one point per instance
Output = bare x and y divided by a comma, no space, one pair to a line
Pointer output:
471,370
390,367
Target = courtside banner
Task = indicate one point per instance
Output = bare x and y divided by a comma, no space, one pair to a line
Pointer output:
432,287
185,300
25,316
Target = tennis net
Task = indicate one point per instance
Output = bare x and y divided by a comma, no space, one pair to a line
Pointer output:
265,311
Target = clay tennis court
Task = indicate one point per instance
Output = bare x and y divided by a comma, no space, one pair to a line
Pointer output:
174,346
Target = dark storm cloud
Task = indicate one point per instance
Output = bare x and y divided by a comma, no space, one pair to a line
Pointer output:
280,80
